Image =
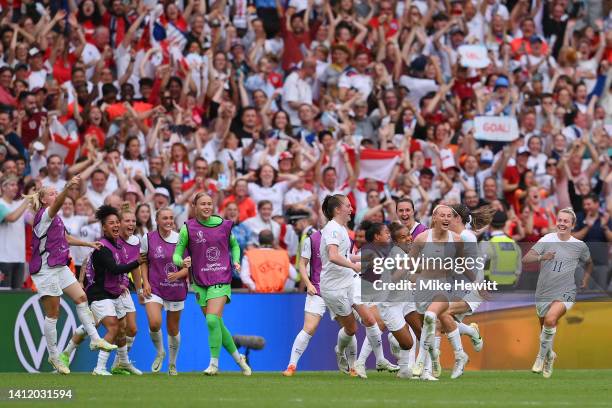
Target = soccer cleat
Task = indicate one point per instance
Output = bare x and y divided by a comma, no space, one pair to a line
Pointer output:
538,365
353,373
211,370
246,370
385,365
100,371
405,372
360,370
157,363
476,342
460,362
395,350
64,358
547,370
119,371
418,368
102,344
342,362
290,371
436,367
426,376
58,365
129,367
172,370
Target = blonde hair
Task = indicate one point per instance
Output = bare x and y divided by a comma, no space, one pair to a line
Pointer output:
570,211
35,198
162,210
200,195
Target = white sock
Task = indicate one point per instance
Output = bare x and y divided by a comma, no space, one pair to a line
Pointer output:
214,361
173,347
299,346
422,351
70,347
364,353
428,364
455,340
158,341
236,357
122,354
467,329
87,319
413,348
437,342
51,336
351,352
429,330
80,332
102,359
393,342
546,340
404,360
343,340
374,337
129,341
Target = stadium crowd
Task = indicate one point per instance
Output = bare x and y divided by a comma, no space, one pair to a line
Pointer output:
270,105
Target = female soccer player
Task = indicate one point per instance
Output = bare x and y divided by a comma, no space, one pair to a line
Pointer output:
164,285
105,283
314,308
337,283
433,245
558,254
213,251
393,312
465,302
405,213
50,273
129,246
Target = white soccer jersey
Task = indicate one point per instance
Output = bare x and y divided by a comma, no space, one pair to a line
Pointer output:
334,276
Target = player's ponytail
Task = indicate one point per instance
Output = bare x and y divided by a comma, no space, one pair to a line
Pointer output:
330,203
35,198
477,219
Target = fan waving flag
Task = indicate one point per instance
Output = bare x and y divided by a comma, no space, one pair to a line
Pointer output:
63,143
378,164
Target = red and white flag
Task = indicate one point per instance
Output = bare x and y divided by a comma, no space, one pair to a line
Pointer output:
378,164
63,143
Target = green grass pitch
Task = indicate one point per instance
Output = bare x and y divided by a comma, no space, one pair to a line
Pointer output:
567,388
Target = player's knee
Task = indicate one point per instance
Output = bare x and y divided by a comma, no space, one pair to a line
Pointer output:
81,299
131,331
351,328
550,321
154,326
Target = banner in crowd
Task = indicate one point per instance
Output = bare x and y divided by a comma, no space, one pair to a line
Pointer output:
474,56
496,128
373,163
63,143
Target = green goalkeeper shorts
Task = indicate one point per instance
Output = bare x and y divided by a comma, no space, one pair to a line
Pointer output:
205,293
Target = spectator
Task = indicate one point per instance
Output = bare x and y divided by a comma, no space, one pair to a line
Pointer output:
12,235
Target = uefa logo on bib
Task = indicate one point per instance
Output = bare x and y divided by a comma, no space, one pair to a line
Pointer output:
213,254
29,336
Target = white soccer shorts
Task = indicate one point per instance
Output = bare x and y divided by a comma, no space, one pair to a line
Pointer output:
53,281
107,308
168,305
314,304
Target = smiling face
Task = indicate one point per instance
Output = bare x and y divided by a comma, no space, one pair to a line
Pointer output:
204,207
405,212
344,211
111,226
565,223
68,208
128,224
383,237
165,220
442,218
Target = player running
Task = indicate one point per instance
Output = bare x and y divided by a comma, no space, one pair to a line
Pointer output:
50,273
213,251
105,283
163,286
337,283
433,245
129,245
464,303
558,254
314,308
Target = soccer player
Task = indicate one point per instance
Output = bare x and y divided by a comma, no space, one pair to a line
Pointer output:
464,303
314,308
392,313
558,254
50,273
213,251
337,283
129,245
163,285
435,243
405,213
105,283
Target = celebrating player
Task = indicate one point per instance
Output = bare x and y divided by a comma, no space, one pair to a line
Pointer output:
105,283
163,285
337,283
405,213
50,273
435,243
213,250
465,302
558,254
